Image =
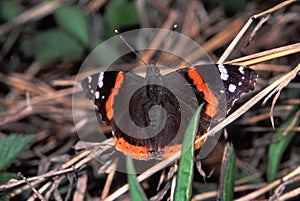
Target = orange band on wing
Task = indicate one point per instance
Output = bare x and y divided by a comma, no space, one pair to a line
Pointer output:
212,100
137,152
110,101
142,152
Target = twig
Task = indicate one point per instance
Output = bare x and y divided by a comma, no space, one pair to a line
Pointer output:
255,194
257,27
271,10
290,195
213,194
81,187
10,41
266,55
75,163
93,5
32,188
16,115
247,25
34,13
278,90
108,184
217,41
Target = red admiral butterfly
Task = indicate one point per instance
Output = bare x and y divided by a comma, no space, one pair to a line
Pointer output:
108,87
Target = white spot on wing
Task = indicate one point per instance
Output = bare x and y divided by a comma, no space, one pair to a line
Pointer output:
97,94
100,80
240,83
89,79
224,74
241,69
103,97
231,88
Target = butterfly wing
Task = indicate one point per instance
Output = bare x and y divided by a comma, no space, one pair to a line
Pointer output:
217,86
101,88
123,96
237,81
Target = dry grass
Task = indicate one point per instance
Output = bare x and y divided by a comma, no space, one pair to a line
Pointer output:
40,101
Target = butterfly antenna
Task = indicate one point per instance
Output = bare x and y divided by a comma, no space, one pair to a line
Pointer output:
167,39
129,46
173,29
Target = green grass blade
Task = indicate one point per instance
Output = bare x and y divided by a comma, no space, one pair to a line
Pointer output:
228,183
276,150
136,191
183,190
